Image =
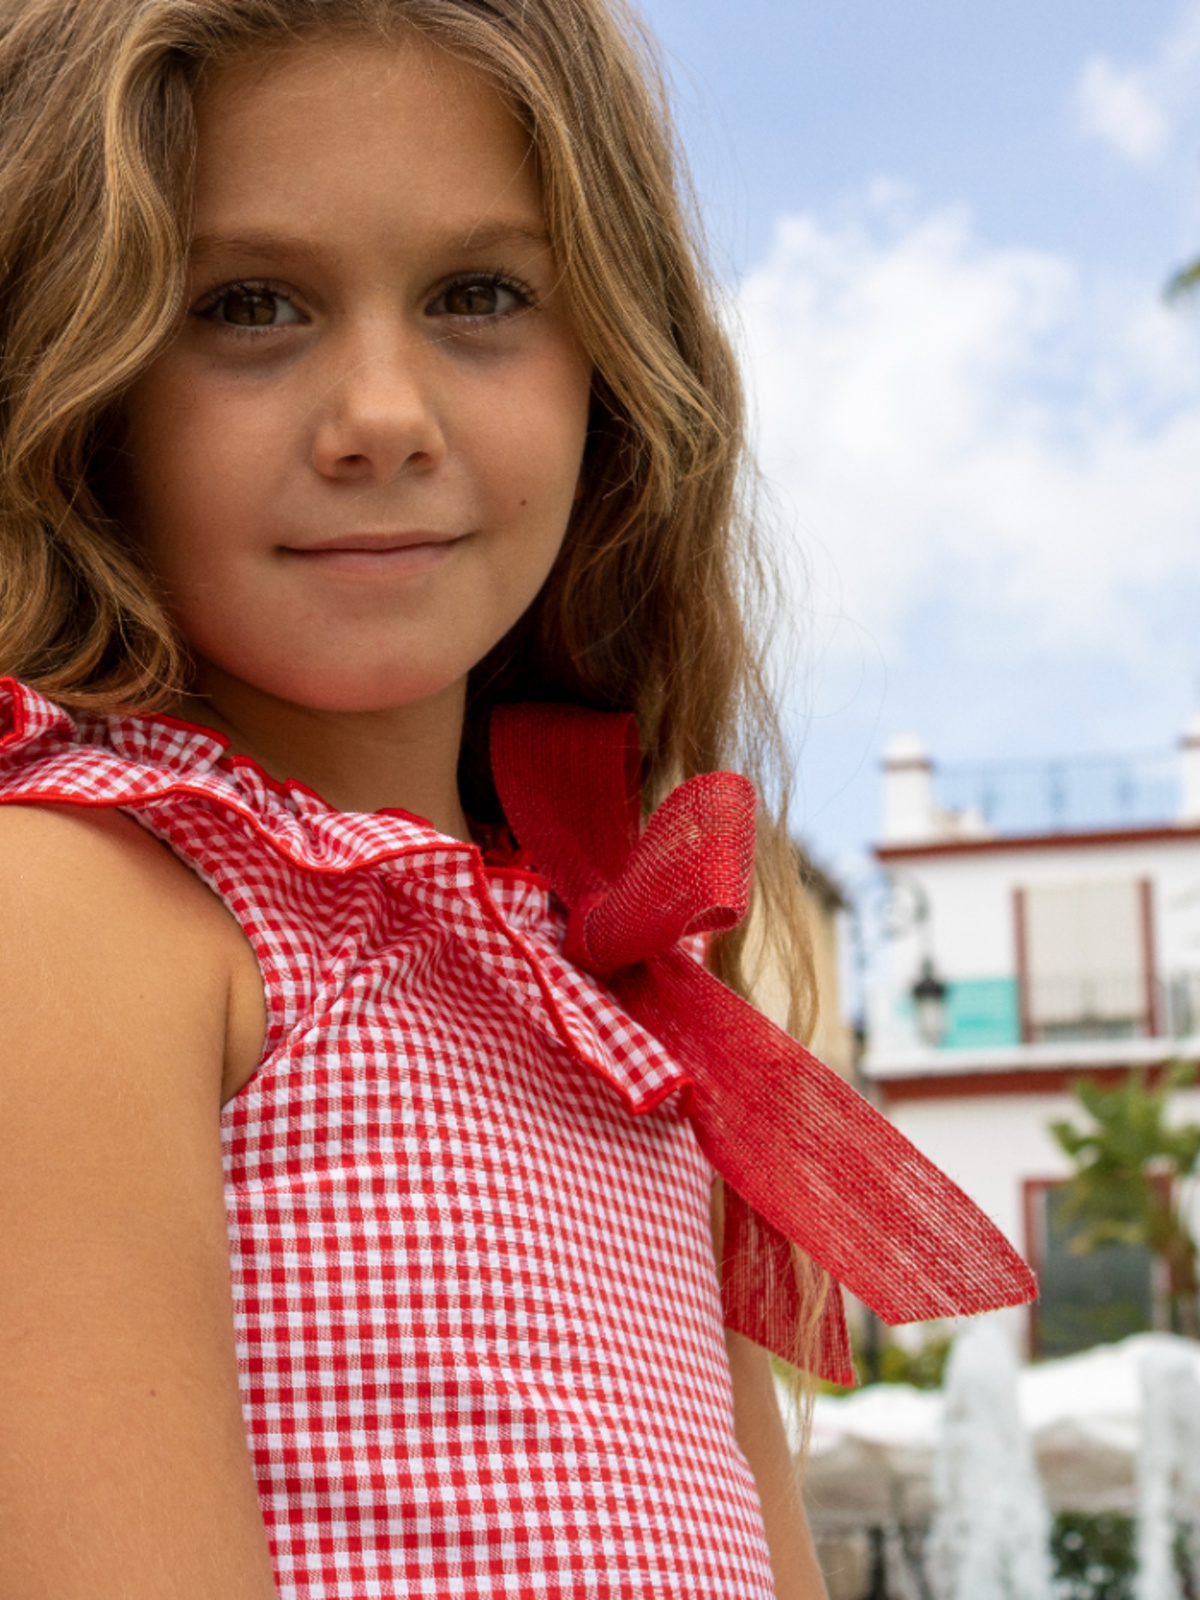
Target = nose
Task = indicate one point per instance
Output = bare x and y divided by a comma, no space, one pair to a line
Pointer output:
377,416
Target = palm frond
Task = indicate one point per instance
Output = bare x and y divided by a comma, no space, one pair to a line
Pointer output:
1183,283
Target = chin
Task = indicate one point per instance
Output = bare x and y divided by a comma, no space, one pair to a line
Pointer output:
338,690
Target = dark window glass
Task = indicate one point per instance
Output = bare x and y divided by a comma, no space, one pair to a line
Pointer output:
1087,1299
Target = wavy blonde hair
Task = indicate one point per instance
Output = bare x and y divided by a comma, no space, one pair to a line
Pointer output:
656,604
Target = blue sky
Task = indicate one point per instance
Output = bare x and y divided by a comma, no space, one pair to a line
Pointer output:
789,104
945,229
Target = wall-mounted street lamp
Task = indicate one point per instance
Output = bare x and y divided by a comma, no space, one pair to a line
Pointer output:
929,998
894,906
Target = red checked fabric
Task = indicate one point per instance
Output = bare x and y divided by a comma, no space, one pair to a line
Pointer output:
479,1328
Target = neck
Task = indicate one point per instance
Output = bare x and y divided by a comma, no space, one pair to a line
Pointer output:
404,757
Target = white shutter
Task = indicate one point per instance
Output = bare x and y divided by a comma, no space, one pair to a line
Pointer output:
1085,952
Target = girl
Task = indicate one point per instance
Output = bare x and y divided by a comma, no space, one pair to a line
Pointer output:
360,386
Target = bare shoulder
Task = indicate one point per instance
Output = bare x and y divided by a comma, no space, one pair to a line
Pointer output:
91,863
95,908
114,1002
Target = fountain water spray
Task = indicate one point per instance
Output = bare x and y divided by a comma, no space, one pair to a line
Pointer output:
1168,1472
990,1538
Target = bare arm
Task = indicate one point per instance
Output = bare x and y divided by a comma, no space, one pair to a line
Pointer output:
124,1469
762,1439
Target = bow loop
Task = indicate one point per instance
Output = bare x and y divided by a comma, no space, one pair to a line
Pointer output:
690,872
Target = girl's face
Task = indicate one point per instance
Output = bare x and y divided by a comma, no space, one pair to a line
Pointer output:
353,468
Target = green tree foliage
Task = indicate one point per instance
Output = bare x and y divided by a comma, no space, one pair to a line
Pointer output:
1095,1557
1131,1168
922,1364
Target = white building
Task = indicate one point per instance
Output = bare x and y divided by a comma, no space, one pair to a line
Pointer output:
1021,955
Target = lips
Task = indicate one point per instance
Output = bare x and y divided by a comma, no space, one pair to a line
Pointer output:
373,543
384,555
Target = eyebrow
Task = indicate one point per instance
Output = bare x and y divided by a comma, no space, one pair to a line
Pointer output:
486,236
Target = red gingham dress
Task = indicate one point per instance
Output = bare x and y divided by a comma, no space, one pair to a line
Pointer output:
478,1323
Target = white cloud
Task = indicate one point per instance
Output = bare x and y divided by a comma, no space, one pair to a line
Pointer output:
1138,110
1118,108
955,421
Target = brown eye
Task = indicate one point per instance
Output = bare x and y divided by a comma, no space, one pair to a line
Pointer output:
250,308
472,299
250,305
485,298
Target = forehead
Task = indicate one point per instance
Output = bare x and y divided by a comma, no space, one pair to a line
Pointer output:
345,131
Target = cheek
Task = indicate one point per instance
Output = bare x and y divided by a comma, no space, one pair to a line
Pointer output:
189,470
162,445
537,450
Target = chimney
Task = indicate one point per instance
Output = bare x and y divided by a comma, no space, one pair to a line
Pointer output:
909,813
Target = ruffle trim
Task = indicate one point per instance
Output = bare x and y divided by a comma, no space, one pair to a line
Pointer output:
136,759
143,764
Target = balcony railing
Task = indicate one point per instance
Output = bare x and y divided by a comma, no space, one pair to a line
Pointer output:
1090,1006
1180,1012
990,1013
1085,792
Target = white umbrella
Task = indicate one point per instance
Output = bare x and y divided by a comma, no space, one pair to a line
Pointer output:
871,1452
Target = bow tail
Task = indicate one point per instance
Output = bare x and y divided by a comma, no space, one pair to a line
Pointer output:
817,1161
769,1297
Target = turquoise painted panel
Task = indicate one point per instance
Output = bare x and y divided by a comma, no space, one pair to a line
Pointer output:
982,1013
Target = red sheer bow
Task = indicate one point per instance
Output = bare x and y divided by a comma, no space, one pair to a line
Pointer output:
805,1159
